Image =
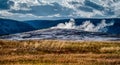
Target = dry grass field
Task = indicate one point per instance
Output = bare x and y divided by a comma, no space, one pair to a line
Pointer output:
56,52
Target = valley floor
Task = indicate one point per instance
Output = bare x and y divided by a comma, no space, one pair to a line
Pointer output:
58,52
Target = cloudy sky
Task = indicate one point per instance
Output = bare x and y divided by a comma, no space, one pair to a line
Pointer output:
57,9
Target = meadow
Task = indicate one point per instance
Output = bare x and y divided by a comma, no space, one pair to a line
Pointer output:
59,52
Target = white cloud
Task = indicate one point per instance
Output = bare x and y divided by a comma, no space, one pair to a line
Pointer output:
5,13
21,17
32,9
24,4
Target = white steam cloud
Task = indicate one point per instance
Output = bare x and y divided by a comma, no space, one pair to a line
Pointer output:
85,26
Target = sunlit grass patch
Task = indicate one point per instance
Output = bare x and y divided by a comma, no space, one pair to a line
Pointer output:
58,52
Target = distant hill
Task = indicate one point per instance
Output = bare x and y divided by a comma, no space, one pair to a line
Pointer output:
42,24
8,26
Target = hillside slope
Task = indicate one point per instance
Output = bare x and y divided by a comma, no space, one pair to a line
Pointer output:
11,26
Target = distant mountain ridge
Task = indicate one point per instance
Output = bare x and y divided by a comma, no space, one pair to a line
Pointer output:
43,24
8,26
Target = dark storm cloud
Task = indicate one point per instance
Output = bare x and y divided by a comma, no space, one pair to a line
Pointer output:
93,5
5,4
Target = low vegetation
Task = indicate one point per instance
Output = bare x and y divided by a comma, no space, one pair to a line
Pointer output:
59,52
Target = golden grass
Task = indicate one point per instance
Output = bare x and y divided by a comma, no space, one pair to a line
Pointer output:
56,52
